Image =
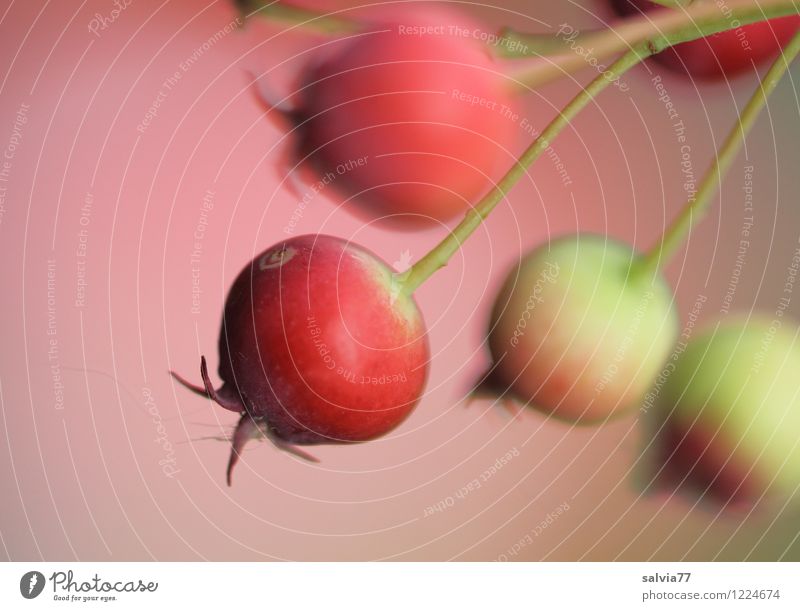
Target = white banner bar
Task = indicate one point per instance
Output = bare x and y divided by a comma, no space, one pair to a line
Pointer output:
400,586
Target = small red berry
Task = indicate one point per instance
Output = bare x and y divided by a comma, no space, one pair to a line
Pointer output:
318,346
406,117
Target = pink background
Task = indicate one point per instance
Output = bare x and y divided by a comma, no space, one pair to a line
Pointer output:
86,479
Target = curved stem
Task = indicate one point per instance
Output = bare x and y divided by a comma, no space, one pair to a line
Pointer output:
438,257
663,29
673,3
327,23
697,207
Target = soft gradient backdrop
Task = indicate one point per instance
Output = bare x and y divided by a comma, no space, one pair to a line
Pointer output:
103,456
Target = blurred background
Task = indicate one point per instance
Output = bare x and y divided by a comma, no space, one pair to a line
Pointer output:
121,229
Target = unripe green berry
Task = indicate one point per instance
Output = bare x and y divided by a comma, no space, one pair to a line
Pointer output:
726,424
580,330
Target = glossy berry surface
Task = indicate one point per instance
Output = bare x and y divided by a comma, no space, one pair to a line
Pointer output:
318,346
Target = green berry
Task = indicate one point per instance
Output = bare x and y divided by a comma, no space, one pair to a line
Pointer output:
580,330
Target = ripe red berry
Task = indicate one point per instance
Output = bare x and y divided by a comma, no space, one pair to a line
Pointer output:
406,117
725,54
317,346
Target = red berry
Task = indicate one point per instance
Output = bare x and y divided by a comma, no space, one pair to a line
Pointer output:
317,346
725,54
419,104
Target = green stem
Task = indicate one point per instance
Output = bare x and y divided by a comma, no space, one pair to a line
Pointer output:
673,3
327,23
697,207
440,255
663,29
